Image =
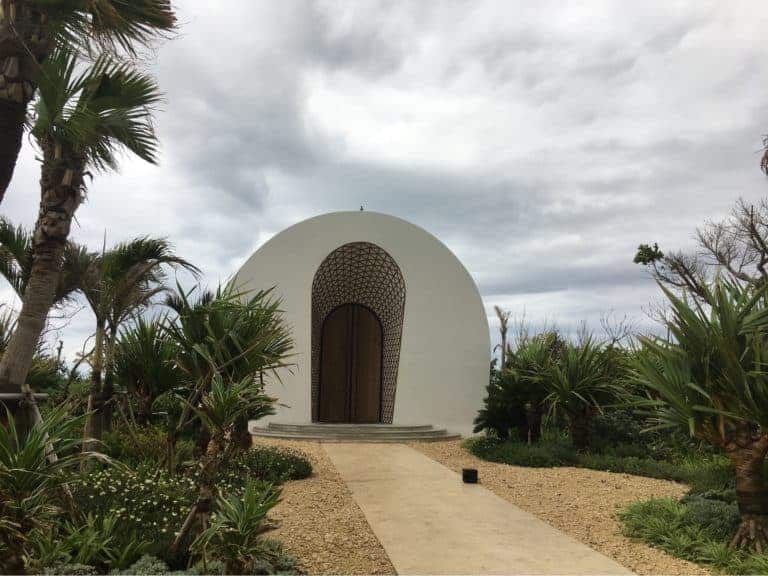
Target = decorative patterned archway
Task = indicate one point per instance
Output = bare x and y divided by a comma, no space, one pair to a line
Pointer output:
361,273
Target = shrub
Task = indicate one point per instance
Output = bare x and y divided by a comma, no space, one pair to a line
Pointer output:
145,501
694,529
719,518
701,472
237,526
72,569
146,444
540,455
271,464
146,565
618,432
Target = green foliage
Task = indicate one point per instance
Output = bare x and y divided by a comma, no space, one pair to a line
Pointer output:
698,530
96,111
271,464
514,404
619,428
33,473
144,444
145,566
237,526
701,472
146,502
71,570
647,254
544,454
708,380
101,543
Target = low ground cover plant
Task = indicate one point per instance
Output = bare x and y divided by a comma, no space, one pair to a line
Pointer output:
698,529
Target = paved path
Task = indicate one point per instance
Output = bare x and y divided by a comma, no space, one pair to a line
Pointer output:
429,522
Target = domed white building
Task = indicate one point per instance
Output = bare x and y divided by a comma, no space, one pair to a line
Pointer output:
390,331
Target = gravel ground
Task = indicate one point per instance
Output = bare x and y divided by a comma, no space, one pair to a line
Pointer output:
322,525
578,501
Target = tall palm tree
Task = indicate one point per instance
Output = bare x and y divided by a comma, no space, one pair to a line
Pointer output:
83,118
118,284
31,30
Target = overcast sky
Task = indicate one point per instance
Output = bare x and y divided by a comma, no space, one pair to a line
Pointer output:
541,141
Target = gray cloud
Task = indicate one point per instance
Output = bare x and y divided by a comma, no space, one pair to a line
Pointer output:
542,143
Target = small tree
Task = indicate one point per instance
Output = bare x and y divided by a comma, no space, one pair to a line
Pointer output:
710,380
578,385
218,411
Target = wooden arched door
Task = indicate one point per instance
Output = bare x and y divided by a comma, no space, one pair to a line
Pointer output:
350,366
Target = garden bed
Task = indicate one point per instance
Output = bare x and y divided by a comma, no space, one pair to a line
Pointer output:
581,502
321,524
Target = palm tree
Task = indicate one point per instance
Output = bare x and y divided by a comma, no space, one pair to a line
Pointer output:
144,364
82,120
16,262
31,31
503,316
578,385
710,380
118,284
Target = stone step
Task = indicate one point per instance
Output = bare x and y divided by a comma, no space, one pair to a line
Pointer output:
379,438
348,428
351,432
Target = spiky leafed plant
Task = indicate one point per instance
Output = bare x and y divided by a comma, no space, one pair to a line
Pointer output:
16,262
232,333
118,284
578,385
144,364
83,119
219,408
711,380
34,470
515,397
31,30
236,532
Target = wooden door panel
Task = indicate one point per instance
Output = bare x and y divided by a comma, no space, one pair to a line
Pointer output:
335,367
366,371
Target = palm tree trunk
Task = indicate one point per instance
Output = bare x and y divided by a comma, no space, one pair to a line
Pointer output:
108,391
92,423
580,428
748,457
24,43
59,199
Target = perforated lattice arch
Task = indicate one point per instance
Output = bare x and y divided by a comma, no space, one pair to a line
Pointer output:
361,273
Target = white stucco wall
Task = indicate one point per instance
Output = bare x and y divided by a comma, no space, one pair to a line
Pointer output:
445,352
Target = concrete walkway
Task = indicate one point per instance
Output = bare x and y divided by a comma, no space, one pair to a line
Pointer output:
429,522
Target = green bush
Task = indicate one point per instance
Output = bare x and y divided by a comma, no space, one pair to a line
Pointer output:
271,464
544,454
717,517
145,566
146,444
701,472
697,530
145,501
